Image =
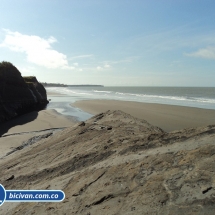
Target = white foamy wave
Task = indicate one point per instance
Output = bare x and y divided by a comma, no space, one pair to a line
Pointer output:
68,91
205,100
176,98
100,91
163,97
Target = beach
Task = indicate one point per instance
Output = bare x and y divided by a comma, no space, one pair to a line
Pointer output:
170,108
123,155
167,117
16,131
20,129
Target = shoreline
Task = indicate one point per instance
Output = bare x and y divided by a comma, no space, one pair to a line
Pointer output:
167,117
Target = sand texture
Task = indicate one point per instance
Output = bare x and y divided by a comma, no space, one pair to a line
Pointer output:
35,121
115,163
20,129
167,117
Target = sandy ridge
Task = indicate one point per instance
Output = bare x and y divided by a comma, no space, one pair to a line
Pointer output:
115,163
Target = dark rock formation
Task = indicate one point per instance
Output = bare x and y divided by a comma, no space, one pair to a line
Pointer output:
19,95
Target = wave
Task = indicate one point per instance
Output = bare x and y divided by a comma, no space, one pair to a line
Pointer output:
67,91
176,98
100,91
83,93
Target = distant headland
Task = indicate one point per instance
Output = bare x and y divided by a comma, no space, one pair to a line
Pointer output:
65,85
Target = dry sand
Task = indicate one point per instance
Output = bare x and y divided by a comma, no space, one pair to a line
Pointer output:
167,117
35,121
22,128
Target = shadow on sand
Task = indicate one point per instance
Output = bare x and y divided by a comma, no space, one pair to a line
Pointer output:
19,120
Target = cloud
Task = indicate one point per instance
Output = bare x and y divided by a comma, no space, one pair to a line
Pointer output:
107,66
129,59
81,56
99,68
208,53
38,50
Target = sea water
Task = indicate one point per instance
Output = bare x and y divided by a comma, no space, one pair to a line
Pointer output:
200,97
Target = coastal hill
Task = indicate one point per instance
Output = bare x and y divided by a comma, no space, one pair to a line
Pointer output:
115,164
19,95
65,85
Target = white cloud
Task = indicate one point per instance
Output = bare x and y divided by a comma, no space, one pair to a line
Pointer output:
37,49
129,59
208,53
99,68
81,56
75,64
107,66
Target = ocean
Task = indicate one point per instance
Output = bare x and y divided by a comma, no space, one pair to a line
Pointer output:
200,97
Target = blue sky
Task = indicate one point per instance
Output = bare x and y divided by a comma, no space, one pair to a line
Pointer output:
111,42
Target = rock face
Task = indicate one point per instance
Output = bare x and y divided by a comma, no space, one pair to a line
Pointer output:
117,164
17,94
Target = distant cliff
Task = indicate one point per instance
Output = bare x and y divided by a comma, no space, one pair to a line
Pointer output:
65,85
53,84
19,94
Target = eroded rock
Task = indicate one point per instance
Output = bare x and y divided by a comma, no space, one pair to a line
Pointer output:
132,168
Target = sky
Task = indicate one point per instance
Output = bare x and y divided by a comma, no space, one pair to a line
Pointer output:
111,42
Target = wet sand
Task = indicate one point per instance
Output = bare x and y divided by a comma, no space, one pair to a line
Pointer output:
167,117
